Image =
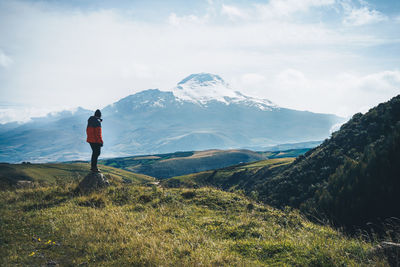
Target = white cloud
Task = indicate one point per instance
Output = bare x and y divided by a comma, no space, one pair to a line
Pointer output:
352,15
96,57
5,60
385,82
343,94
292,78
362,92
277,8
21,114
136,70
252,78
176,20
362,16
233,12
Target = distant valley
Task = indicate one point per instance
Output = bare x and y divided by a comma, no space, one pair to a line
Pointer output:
180,163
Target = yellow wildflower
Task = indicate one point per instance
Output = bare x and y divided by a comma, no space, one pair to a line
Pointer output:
48,242
33,253
38,239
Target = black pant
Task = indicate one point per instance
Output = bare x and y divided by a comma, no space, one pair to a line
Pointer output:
95,154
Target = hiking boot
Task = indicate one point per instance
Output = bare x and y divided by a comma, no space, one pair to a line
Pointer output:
95,170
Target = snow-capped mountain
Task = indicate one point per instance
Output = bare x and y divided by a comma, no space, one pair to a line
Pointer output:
201,112
205,87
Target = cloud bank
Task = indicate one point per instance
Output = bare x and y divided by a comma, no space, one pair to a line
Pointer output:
318,55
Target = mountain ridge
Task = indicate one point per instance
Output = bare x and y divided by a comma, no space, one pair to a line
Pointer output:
154,121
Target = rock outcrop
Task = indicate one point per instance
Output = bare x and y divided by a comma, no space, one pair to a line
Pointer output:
92,181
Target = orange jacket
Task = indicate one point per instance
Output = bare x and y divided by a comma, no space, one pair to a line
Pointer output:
93,130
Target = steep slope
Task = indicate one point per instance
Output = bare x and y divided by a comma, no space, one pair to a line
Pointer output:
354,177
351,179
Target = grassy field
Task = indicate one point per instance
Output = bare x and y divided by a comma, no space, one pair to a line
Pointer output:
291,153
180,163
153,226
60,174
164,166
226,177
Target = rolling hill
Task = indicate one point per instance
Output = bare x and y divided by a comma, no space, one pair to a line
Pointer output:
229,178
180,163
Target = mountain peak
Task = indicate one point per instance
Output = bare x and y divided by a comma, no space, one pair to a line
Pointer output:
202,88
203,79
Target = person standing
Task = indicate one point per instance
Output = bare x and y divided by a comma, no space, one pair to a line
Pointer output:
94,138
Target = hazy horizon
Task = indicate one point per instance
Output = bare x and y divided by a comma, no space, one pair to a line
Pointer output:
324,56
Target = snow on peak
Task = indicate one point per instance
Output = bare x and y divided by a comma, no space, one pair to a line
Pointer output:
204,87
202,79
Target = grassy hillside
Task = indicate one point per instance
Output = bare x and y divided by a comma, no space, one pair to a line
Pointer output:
51,174
290,153
151,226
182,163
229,178
352,178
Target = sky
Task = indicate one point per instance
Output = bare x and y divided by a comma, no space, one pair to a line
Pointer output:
327,56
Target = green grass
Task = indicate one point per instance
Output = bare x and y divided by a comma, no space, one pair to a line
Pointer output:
226,178
182,163
291,153
52,174
152,226
271,163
